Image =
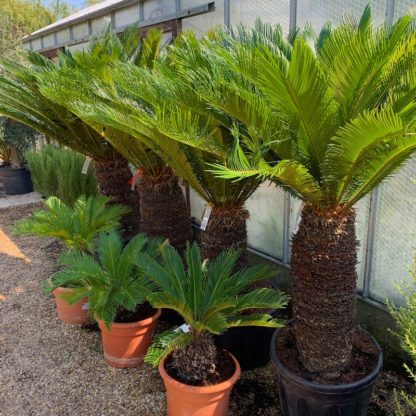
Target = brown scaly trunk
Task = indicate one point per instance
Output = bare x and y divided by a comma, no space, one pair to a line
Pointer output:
226,229
163,210
113,181
324,257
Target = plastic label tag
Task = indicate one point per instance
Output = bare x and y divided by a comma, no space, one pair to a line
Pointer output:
184,328
85,306
205,218
86,165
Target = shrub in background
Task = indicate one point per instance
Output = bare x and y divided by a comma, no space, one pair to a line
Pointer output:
58,172
15,139
405,317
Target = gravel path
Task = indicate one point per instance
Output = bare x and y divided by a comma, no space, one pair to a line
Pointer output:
51,368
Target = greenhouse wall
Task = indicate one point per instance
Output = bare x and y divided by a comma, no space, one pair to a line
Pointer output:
386,219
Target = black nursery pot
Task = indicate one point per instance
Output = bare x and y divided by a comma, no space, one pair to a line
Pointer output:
299,397
250,345
15,181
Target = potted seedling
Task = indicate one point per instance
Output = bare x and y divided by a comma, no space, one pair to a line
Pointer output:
77,228
15,139
116,290
211,297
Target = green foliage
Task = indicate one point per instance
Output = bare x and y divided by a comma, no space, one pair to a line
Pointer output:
150,107
405,317
58,172
210,296
17,136
78,226
347,108
61,85
111,282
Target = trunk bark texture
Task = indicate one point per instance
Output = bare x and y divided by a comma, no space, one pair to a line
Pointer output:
324,259
163,210
226,229
113,181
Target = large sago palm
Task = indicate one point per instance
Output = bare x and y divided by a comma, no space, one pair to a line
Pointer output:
21,99
349,105
156,106
163,210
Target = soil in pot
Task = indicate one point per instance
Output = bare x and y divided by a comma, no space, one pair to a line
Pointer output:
71,314
200,400
126,343
363,361
304,393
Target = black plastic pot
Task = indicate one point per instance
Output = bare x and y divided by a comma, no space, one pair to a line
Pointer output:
15,181
299,397
249,344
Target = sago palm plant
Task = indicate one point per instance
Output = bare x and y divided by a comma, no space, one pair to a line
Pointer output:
349,107
112,283
211,297
75,226
156,106
77,83
22,100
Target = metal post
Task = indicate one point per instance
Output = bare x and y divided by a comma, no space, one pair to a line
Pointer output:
141,11
177,5
389,13
372,216
227,14
293,14
286,224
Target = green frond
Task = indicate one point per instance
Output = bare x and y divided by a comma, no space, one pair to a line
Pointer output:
263,320
166,342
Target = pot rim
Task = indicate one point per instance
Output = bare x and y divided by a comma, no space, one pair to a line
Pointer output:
136,324
216,388
326,388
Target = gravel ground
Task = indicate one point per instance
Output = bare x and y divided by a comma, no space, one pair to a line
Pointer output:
50,368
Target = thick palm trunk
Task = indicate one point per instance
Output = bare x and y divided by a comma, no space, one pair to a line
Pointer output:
323,288
113,181
226,229
163,210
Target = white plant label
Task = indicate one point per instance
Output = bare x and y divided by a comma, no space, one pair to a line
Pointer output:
205,218
184,328
85,306
86,165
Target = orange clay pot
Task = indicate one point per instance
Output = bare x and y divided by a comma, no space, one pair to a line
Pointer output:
125,345
71,314
184,400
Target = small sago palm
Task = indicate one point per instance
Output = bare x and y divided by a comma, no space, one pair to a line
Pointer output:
111,282
76,227
349,104
211,297
22,100
78,83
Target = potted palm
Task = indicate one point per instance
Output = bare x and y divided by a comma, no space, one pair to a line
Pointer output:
77,228
349,105
163,210
116,293
211,297
15,139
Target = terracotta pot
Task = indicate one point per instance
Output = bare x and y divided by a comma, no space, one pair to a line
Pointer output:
71,314
184,400
125,345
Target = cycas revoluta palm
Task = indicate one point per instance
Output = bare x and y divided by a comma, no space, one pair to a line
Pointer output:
75,226
165,109
349,105
111,282
211,297
79,83
22,100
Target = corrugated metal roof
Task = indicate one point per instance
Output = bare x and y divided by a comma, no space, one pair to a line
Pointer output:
82,15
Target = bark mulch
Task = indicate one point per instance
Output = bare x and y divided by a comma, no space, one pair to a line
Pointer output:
50,368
